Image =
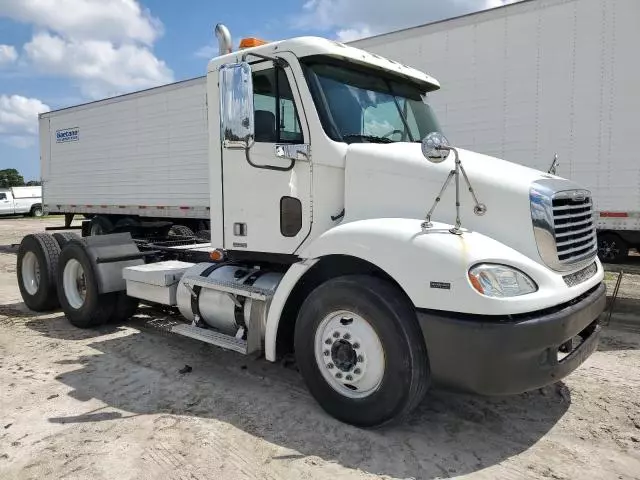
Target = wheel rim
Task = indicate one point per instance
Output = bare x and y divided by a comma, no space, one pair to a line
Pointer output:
608,249
30,273
74,283
349,354
37,212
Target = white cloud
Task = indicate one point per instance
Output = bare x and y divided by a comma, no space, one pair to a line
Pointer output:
8,54
19,119
352,19
101,67
103,46
113,20
350,34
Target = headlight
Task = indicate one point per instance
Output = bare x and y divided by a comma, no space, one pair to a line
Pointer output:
500,281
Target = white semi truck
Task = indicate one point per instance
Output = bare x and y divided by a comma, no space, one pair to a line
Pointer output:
540,78
345,229
21,200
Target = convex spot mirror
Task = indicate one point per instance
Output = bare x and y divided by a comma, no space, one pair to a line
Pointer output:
432,147
236,105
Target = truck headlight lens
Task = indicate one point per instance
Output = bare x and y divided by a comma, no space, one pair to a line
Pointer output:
500,281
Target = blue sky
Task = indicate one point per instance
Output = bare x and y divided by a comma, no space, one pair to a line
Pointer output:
57,53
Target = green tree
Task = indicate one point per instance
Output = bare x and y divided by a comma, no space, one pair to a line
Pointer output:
10,177
33,183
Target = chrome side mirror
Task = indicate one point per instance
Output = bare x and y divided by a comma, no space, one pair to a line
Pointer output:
435,147
236,106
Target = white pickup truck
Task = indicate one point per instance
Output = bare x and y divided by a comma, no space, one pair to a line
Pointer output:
21,200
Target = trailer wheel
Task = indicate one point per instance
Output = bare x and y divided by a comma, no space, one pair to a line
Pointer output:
78,293
360,350
37,211
125,308
64,237
204,234
100,225
612,248
37,266
180,231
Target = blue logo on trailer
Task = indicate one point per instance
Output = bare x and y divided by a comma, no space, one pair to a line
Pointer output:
68,135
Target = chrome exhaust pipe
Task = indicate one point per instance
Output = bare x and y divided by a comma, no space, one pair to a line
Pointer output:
224,39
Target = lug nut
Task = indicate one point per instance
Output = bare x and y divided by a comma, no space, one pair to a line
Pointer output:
357,371
338,375
328,341
356,345
346,336
329,366
327,353
360,358
336,334
349,378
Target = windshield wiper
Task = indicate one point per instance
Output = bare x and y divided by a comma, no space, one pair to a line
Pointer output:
371,138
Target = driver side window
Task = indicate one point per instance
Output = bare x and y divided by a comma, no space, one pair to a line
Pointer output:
276,116
3,196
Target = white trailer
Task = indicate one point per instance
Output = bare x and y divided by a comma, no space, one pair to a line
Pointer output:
538,78
345,229
129,159
21,200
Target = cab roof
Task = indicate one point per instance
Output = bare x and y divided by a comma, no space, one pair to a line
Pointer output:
309,46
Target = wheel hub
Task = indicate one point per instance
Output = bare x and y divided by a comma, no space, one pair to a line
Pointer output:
349,354
343,355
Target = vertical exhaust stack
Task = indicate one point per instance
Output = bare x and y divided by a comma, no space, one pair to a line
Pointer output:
224,39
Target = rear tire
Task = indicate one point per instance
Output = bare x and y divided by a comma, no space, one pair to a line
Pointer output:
100,225
37,271
82,303
180,231
125,308
612,248
360,351
37,211
204,234
64,237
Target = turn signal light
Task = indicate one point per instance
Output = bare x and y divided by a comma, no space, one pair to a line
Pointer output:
217,256
252,42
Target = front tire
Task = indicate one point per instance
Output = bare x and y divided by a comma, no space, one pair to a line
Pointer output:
82,303
612,248
360,351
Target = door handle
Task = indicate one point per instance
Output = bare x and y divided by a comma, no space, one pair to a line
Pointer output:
293,151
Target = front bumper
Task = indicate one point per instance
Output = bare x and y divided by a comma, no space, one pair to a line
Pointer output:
492,357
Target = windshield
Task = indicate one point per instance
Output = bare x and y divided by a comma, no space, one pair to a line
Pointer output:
357,105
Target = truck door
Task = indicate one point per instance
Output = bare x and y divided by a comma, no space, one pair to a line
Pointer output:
267,189
6,205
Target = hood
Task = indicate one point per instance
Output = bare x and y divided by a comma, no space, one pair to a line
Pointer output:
396,181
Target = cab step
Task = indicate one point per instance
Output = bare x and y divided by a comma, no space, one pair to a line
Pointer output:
209,336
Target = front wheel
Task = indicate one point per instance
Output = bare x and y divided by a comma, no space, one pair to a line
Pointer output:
360,350
612,248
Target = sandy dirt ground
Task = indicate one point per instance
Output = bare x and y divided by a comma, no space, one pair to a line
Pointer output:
111,403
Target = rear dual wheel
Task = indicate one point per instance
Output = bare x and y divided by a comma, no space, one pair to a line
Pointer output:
78,292
37,271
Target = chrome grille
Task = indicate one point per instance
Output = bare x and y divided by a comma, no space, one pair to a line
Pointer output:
574,228
563,224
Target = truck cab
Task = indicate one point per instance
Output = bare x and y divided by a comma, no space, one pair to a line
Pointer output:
345,229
